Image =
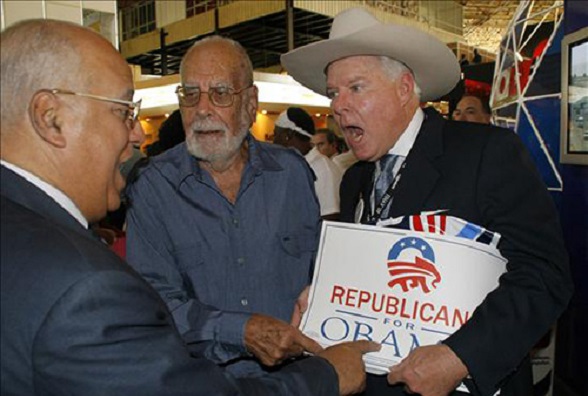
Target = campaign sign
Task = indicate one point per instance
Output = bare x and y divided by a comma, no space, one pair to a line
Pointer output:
400,288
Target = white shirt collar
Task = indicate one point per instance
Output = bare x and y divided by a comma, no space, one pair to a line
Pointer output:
63,200
408,137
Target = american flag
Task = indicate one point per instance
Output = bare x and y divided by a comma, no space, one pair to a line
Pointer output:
441,224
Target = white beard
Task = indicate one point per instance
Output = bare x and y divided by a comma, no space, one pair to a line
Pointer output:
218,146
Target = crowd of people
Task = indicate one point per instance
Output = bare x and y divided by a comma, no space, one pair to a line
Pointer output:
222,230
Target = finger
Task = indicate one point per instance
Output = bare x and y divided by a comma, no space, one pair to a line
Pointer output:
271,362
277,355
303,299
309,345
365,346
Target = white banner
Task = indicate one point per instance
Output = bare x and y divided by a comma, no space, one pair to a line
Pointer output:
400,288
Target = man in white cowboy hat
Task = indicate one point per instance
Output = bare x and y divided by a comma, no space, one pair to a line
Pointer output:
376,74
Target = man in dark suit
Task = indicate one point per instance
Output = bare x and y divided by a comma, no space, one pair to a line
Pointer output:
76,320
376,75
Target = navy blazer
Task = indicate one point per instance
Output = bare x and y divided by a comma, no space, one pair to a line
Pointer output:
484,174
77,320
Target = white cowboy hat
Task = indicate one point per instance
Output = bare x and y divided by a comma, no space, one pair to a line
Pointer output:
357,32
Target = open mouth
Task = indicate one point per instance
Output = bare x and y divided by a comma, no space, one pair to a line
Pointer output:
354,134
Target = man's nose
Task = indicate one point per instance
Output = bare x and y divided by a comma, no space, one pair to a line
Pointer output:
339,103
137,135
204,106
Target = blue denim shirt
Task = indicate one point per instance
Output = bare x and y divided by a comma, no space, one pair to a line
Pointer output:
215,263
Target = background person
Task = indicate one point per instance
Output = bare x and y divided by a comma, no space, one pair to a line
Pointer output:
346,158
472,108
325,142
294,128
171,131
76,319
486,178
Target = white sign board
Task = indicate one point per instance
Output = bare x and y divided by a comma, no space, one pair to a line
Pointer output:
400,288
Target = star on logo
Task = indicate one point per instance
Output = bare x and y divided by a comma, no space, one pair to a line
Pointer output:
412,273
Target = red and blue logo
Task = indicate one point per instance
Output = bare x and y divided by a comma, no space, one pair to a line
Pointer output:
411,264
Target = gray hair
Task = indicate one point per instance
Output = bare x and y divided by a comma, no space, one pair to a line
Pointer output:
394,69
246,66
35,54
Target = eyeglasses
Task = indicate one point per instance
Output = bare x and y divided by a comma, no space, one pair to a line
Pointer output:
130,115
218,96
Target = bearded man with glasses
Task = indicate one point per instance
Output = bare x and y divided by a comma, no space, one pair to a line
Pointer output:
225,227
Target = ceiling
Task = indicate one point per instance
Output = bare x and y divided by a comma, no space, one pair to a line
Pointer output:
485,21
265,38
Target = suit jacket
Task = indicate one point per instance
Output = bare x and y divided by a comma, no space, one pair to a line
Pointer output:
76,320
483,174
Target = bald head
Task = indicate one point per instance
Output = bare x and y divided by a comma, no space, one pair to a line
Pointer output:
33,54
65,116
212,44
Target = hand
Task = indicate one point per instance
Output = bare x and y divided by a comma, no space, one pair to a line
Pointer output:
300,307
272,341
347,360
433,370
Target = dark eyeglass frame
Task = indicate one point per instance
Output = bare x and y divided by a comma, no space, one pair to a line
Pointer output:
134,108
231,92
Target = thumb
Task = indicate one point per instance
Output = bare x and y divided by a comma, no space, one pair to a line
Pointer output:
395,375
296,316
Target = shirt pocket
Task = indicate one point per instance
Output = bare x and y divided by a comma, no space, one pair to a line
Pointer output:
298,244
190,263
297,251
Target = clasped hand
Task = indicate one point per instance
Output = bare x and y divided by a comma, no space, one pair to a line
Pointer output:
272,341
433,370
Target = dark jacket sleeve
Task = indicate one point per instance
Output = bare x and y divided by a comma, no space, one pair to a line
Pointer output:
513,201
110,334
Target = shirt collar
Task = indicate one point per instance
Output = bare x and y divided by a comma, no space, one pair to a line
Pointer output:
57,195
408,137
260,158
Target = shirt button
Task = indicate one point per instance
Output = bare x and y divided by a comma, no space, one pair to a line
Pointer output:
240,260
244,302
236,222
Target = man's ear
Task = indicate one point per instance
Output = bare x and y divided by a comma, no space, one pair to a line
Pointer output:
405,87
44,113
253,102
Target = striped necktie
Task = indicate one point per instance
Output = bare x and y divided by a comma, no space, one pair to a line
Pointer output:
386,176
